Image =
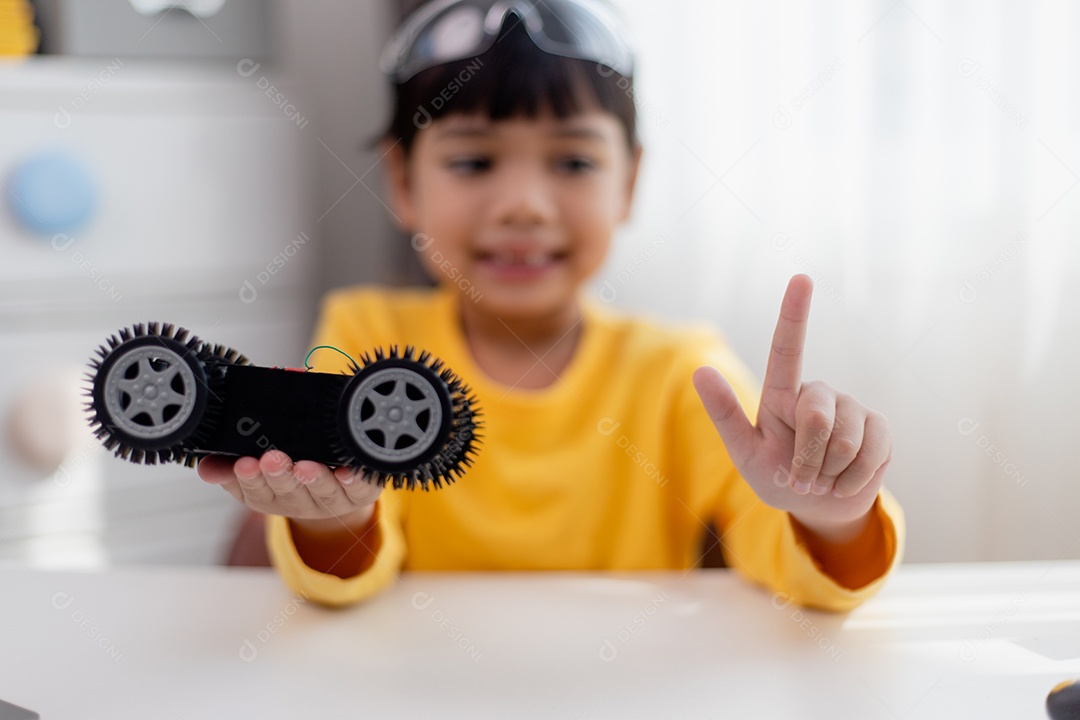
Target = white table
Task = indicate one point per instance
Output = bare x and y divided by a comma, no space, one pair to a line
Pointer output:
941,641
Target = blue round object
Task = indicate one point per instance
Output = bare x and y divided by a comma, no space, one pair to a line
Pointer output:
51,193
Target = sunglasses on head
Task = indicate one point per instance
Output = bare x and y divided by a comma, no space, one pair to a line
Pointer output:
444,31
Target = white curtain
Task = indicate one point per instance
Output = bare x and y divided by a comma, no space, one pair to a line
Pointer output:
920,160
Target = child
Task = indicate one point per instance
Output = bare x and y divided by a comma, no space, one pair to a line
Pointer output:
609,442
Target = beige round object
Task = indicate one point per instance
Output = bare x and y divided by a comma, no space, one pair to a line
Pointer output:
47,420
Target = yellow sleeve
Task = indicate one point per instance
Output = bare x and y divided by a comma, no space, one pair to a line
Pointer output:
760,541
341,326
763,545
329,589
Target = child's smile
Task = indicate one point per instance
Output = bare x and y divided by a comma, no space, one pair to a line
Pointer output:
518,263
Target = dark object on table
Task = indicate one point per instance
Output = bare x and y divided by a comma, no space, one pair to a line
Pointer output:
14,712
1063,702
160,395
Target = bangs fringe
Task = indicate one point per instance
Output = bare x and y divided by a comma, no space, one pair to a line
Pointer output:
513,79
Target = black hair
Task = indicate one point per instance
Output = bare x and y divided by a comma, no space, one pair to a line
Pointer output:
514,78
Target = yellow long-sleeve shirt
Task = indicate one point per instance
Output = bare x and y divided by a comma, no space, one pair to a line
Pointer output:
614,467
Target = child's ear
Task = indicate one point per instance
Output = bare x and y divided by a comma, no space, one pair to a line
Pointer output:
396,165
631,182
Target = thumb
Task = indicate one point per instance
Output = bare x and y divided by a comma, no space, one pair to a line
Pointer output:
727,415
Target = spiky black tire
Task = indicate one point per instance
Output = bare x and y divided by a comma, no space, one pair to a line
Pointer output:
154,392
406,421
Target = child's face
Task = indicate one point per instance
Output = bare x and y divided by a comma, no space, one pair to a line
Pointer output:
516,214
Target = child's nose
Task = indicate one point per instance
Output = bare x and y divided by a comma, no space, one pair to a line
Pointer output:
525,197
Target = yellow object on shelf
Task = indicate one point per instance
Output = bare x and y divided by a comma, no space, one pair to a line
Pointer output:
18,35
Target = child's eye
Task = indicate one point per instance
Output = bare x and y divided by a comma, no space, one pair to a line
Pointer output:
469,165
575,165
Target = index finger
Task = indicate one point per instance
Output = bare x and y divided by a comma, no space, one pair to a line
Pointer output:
784,370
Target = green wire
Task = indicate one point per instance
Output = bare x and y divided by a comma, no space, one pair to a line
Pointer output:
326,347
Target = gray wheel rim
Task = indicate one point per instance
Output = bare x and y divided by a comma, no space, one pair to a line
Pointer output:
161,384
395,415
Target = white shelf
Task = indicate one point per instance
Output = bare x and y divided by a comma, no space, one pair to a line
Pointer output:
200,222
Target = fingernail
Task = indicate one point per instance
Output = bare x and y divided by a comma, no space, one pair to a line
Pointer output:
819,489
801,487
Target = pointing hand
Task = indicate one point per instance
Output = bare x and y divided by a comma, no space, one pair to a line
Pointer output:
814,452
